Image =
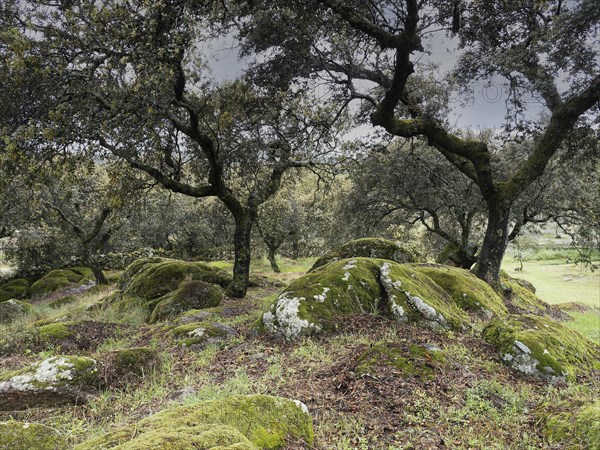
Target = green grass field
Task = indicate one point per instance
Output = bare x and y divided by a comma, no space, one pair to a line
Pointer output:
557,282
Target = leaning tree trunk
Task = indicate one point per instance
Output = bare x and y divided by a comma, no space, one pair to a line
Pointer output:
494,244
272,260
99,275
241,265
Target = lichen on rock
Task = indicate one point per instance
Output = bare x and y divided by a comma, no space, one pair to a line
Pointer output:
54,381
16,435
241,422
320,300
201,333
542,348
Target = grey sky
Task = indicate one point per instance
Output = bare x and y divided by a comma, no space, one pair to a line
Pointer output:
484,108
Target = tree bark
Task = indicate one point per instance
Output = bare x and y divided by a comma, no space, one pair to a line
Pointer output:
494,244
99,275
241,265
272,260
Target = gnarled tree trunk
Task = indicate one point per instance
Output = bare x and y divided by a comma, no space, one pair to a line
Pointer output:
241,265
494,243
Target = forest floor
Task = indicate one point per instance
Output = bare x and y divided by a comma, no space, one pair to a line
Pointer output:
471,401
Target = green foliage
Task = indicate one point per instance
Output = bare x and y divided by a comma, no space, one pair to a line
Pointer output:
245,422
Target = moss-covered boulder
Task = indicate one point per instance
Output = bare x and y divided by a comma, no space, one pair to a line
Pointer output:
27,436
404,360
69,336
320,300
13,309
541,347
243,422
60,279
55,381
16,289
153,279
521,296
574,424
201,333
193,294
367,248
468,292
120,367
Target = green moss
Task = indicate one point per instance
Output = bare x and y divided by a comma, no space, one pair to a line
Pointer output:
192,294
408,288
200,332
542,347
156,279
320,300
16,289
413,360
12,309
240,422
574,424
59,279
370,247
54,331
521,298
468,292
27,436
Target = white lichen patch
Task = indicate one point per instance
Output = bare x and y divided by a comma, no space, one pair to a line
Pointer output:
302,406
350,265
523,361
197,333
522,347
397,310
346,276
49,372
323,296
386,278
427,311
283,318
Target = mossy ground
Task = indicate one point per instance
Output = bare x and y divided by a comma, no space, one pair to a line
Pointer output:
572,423
16,435
255,422
472,401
